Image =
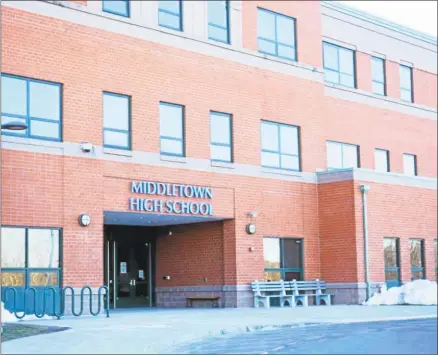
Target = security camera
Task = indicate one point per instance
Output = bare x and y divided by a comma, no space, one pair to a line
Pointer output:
86,147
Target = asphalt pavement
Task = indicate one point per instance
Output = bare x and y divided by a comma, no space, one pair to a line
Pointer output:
393,337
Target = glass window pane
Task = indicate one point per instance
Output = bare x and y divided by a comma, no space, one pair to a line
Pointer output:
171,121
44,129
285,30
390,252
392,276
416,253
43,248
219,152
217,13
118,139
381,160
288,139
331,76
349,153
347,80
169,5
266,25
14,96
405,95
271,159
378,88
220,129
377,70
330,57
13,278
118,6
267,47
292,253
405,77
417,275
292,275
13,246
116,112
168,20
290,162
43,278
171,147
218,34
270,139
272,275
346,62
409,164
6,119
286,52
271,253
334,155
44,101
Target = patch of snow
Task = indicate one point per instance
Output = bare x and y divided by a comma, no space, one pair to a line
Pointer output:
9,317
418,292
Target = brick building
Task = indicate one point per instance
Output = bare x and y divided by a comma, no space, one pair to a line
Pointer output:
182,148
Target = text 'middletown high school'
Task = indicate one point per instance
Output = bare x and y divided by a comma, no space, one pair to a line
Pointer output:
184,148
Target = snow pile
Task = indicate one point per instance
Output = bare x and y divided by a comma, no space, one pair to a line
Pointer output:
418,292
8,317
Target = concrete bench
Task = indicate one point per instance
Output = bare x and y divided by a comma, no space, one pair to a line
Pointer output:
214,300
316,286
265,290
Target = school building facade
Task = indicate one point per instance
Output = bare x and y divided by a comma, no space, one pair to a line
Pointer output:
181,148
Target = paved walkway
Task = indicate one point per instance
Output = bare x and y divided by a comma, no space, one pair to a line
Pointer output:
148,331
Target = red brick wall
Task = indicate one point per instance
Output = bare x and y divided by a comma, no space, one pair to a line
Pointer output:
425,88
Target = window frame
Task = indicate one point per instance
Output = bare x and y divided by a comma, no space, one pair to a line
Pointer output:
422,268
383,61
227,12
338,71
388,165
279,125
415,164
230,133
411,78
397,269
183,139
28,118
282,269
128,9
276,42
129,131
179,15
342,156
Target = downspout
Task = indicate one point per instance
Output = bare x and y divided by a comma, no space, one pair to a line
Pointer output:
364,189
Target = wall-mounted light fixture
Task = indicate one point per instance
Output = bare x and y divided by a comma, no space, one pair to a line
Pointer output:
250,228
166,277
84,220
252,214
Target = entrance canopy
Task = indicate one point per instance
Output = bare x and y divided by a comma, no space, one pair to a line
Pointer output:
154,219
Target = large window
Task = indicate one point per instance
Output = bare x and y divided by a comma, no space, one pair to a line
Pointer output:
280,146
33,102
392,261
283,259
116,121
410,164
378,69
220,137
417,259
381,160
117,7
172,129
406,84
219,21
30,257
170,14
276,34
339,66
342,155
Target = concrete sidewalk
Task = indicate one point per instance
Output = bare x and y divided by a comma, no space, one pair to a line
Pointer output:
147,331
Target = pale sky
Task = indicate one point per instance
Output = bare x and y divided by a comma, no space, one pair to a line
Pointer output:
418,15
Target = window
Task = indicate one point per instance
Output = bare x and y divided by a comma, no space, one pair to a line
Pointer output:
283,259
33,102
116,7
171,129
342,155
280,146
406,84
219,21
381,160
220,137
116,121
378,69
339,65
30,257
170,14
410,164
276,34
392,261
417,259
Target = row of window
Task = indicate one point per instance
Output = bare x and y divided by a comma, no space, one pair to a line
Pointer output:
276,36
38,104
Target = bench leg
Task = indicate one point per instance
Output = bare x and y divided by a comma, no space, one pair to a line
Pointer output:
305,301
